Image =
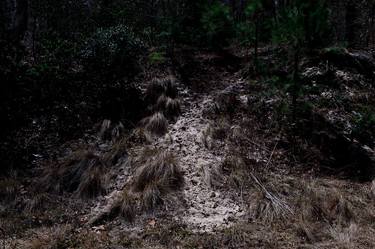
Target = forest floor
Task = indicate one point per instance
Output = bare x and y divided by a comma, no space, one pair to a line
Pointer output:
248,181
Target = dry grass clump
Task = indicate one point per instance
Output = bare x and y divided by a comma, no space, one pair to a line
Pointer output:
220,130
266,210
8,189
140,136
323,213
125,205
37,204
117,151
128,208
236,170
157,124
109,131
344,236
322,204
151,196
92,183
154,89
213,177
227,102
158,87
214,131
267,205
83,173
206,137
169,85
157,176
161,103
161,96
59,237
236,134
160,170
265,202
172,108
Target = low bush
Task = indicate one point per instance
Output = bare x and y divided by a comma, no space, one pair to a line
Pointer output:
113,52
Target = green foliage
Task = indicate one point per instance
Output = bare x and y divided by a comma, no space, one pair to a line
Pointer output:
41,71
286,85
302,22
169,30
112,51
300,25
253,7
246,29
157,57
336,50
364,125
217,23
245,32
289,28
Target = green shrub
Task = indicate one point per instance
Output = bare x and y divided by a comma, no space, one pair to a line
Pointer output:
246,30
217,24
157,57
289,29
112,52
304,22
364,125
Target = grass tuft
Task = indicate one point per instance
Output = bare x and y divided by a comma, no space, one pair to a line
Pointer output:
83,173
128,206
172,108
8,189
151,197
157,124
158,87
161,103
154,90
161,170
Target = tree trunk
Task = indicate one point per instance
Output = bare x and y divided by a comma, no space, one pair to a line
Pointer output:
14,17
256,44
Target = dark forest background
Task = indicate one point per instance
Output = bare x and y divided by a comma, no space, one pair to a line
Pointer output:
65,65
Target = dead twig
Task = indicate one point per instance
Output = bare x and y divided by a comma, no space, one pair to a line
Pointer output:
2,231
273,151
280,206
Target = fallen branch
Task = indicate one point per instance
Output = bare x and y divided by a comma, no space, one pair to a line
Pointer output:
279,205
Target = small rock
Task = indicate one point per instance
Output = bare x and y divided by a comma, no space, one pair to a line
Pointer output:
99,228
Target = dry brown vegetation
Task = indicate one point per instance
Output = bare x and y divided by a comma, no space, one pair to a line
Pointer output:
117,151
157,124
160,170
9,188
82,173
161,103
159,86
109,131
161,96
288,202
156,176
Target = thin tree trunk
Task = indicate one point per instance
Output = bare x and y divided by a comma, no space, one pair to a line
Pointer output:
295,89
256,44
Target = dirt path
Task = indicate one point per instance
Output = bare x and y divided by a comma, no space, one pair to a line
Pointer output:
204,208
